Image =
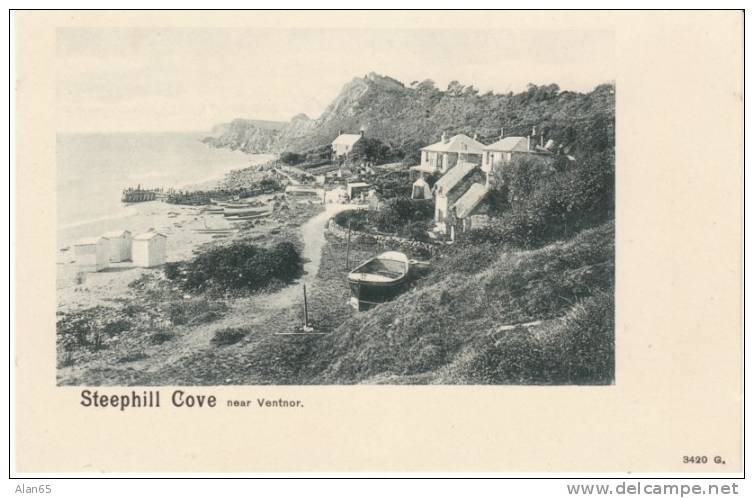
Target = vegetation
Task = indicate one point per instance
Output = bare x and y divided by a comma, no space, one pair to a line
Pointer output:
408,117
238,266
228,336
400,215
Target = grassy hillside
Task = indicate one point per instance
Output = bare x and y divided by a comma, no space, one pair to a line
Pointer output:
448,331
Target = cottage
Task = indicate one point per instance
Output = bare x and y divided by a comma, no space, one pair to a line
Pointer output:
92,254
449,188
469,208
344,144
355,189
442,156
120,245
149,249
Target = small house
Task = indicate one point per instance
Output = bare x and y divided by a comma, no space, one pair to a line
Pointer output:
120,245
469,209
344,144
149,249
92,254
357,188
451,186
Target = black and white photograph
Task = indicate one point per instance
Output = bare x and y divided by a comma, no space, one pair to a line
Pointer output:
334,206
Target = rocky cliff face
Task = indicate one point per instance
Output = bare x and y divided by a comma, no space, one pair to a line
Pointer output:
251,136
407,117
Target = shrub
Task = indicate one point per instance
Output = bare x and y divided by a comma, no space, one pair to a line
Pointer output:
226,337
243,266
292,158
161,337
171,270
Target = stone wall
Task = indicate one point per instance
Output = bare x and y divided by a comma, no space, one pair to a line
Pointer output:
342,233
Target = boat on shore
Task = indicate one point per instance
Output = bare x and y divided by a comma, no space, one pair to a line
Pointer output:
379,279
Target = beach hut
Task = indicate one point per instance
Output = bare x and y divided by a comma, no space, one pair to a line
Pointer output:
149,249
92,253
120,245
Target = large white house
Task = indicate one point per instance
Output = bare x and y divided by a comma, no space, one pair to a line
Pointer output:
442,156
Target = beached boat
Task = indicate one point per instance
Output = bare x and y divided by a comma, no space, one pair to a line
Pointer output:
379,279
249,211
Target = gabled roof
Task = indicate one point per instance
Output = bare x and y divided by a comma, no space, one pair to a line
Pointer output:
148,235
346,139
509,144
459,143
114,234
450,179
470,200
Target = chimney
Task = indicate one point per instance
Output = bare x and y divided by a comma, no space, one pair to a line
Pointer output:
340,132
528,142
502,133
533,131
541,140
361,131
444,138
476,137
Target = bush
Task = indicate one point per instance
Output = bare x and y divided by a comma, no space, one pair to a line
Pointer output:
160,337
292,158
226,337
243,266
194,311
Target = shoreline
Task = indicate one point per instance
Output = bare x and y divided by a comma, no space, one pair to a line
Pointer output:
131,214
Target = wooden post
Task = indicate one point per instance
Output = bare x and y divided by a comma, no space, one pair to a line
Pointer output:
348,245
306,309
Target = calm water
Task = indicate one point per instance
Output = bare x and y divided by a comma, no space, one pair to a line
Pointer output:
92,169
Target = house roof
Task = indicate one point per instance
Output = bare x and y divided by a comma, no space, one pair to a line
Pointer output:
148,235
112,234
470,200
509,144
346,139
458,143
450,179
88,241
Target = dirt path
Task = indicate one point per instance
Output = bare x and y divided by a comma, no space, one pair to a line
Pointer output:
251,311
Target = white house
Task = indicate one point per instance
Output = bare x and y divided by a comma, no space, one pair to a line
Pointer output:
506,149
92,254
149,249
344,143
120,245
442,156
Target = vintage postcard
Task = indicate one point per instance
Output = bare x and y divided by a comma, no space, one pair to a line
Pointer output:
342,241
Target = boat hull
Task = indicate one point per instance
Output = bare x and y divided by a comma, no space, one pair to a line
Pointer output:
379,280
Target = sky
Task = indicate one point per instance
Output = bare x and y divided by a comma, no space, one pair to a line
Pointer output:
190,79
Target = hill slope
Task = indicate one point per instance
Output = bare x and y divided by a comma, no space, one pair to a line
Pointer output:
407,117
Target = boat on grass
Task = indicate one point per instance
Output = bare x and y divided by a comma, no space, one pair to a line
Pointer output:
379,279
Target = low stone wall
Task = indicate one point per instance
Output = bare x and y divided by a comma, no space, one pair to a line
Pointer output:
342,233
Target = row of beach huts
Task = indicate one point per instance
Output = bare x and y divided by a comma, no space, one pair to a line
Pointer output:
146,250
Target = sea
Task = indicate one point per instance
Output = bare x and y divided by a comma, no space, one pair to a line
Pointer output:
93,169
